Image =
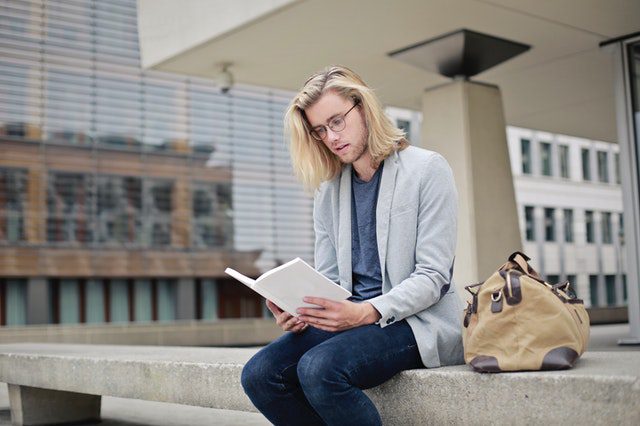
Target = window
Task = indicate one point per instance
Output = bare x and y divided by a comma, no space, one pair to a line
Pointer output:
617,161
621,228
593,290
545,158
529,221
212,215
568,225
603,166
549,224
607,237
625,296
564,161
610,284
13,203
119,209
405,126
525,151
69,207
574,284
588,222
586,164
553,279
13,302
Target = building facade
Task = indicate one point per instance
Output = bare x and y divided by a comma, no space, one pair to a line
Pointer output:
124,193
570,211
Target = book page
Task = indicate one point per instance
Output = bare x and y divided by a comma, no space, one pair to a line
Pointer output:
290,282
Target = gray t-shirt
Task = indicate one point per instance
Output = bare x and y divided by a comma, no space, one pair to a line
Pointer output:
367,276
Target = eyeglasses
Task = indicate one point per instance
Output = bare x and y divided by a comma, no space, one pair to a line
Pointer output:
336,124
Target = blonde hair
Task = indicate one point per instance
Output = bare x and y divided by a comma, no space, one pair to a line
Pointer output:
313,163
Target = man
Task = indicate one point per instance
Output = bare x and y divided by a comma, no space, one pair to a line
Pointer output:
385,227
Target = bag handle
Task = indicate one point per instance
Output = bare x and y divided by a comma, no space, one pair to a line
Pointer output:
522,261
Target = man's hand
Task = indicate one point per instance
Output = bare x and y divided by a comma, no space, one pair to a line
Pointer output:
337,316
285,320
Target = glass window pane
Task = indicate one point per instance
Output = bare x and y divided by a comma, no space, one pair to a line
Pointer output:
607,237
603,166
94,301
549,224
529,223
545,159
119,303
16,302
166,300
610,283
525,151
13,204
568,225
588,220
209,299
143,300
593,290
564,161
69,302
586,164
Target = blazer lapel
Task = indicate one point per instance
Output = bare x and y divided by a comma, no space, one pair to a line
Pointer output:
383,208
344,230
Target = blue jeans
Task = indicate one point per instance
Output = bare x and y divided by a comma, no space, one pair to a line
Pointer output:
316,377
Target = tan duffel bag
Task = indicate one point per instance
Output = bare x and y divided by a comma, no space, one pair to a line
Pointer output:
518,322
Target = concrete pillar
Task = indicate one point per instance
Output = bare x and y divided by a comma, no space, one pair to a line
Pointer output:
185,299
38,301
36,406
464,121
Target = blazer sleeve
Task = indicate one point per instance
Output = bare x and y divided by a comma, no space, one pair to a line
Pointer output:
435,246
325,255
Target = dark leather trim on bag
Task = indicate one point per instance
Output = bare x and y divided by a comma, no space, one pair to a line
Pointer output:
559,359
485,364
496,302
513,291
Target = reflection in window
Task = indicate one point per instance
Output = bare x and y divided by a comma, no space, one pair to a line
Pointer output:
69,207
529,223
525,151
564,161
549,224
119,217
588,222
610,285
405,126
568,225
607,237
13,301
545,158
603,166
586,164
212,215
593,290
157,211
13,190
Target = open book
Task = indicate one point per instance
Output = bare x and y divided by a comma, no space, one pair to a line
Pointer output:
287,284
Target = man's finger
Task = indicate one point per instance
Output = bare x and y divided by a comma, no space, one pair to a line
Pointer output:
275,310
325,303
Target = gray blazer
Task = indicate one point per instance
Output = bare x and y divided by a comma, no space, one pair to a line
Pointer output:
416,219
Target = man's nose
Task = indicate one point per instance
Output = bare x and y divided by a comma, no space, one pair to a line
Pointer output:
332,135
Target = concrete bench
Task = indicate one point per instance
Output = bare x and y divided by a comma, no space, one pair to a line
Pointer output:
50,383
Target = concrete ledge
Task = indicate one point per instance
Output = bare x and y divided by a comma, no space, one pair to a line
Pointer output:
604,388
224,332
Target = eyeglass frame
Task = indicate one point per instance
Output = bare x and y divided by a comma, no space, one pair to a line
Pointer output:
314,134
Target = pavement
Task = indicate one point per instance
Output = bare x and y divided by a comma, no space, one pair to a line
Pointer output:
131,412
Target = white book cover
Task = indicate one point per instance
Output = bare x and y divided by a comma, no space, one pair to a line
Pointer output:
288,284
